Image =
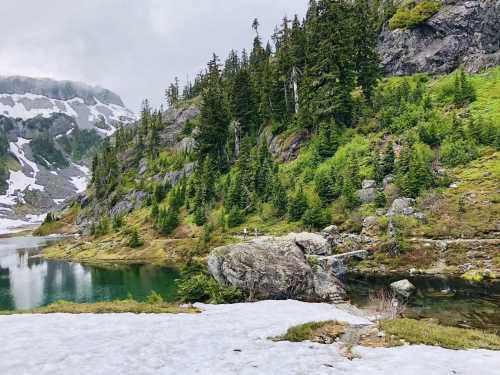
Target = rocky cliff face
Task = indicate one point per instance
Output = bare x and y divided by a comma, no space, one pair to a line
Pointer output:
47,128
462,32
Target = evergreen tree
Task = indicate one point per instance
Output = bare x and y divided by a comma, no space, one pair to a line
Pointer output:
213,130
297,204
243,106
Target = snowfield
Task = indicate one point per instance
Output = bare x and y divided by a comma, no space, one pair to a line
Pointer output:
224,339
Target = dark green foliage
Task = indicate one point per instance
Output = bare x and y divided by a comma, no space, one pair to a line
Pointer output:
243,106
235,217
380,200
456,151
327,140
118,222
297,204
83,142
279,198
316,217
49,218
195,285
46,153
101,228
213,130
414,170
135,239
464,93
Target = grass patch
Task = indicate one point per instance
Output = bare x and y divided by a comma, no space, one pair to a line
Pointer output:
313,331
114,307
422,332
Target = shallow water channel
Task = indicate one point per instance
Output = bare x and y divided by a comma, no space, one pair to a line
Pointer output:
451,301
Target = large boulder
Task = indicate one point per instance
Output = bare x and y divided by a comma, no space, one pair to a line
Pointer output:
274,268
461,32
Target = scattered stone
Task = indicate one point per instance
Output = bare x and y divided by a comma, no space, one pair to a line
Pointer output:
367,184
380,212
388,180
420,216
453,186
403,288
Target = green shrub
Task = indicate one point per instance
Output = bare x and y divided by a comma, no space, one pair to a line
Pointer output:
135,239
412,14
235,217
199,287
456,151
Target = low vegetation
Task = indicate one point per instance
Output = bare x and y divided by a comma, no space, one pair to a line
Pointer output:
313,331
114,307
396,332
427,333
412,13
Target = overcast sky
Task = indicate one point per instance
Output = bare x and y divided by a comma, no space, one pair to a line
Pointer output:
134,48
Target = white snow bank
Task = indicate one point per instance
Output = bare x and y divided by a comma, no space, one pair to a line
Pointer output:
224,339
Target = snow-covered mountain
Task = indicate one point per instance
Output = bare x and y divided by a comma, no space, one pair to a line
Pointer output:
48,130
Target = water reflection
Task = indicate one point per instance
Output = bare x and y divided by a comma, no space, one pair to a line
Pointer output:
28,281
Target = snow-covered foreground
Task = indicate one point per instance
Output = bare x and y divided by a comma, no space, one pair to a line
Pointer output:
224,339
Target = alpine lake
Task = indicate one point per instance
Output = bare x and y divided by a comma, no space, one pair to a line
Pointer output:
27,281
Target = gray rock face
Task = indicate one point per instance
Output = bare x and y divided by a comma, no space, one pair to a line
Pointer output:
285,149
462,32
133,200
173,178
273,267
176,120
403,288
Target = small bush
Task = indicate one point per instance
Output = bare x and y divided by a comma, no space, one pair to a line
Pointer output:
154,298
411,14
135,240
235,217
199,287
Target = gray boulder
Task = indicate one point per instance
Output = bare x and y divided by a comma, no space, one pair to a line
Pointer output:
274,268
461,32
402,206
311,243
367,195
403,288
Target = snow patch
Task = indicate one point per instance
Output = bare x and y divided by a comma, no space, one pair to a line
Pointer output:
224,339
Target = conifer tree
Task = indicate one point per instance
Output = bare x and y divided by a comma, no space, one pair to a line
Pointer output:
213,130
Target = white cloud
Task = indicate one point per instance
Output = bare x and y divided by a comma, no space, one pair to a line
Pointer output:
133,48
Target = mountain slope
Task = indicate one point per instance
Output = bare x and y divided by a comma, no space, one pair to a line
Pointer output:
49,130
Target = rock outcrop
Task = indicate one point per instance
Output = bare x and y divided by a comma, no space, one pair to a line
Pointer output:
276,268
462,32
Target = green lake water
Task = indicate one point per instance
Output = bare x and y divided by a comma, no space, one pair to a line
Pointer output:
28,281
